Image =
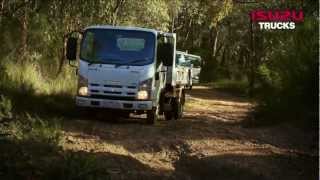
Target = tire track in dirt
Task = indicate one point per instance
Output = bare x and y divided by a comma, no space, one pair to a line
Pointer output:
208,140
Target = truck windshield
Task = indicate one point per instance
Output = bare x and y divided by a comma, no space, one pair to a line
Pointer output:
182,61
119,47
194,60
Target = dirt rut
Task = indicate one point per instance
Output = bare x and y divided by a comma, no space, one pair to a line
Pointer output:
208,143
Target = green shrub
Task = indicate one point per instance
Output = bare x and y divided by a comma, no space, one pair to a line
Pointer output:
31,148
288,81
29,83
29,78
77,165
5,108
33,129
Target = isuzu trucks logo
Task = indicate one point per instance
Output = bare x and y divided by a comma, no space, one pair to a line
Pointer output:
277,19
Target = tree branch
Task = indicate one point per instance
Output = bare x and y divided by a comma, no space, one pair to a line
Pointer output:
6,12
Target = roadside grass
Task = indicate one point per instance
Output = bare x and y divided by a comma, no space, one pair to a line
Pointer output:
31,90
32,148
32,106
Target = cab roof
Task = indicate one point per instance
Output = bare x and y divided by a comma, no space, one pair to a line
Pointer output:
124,28
187,54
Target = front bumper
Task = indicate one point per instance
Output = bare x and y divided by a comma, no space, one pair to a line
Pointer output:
113,104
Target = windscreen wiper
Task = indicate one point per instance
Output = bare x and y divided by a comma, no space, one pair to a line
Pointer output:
120,64
94,62
103,61
128,63
136,61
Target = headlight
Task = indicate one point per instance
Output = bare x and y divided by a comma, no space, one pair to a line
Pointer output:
145,88
82,86
83,91
142,95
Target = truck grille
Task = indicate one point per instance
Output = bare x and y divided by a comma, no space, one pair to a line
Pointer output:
109,90
124,98
112,86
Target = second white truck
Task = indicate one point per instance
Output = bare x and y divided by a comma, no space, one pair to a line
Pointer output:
188,68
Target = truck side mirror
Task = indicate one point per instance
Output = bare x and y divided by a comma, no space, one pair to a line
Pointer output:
72,48
165,53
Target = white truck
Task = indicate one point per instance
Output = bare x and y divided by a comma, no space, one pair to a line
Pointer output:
189,67
195,64
184,69
129,69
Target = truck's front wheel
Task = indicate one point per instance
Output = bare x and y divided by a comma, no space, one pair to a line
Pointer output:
168,115
177,109
152,115
175,112
178,106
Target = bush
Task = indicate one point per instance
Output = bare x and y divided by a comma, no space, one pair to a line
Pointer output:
77,165
31,149
288,81
28,78
28,83
33,129
5,108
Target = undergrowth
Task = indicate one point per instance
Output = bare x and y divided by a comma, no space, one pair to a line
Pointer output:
31,148
237,87
31,89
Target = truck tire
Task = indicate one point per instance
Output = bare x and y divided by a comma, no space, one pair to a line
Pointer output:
176,112
168,115
178,107
152,115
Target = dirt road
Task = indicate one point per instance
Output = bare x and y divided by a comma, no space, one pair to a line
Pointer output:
208,143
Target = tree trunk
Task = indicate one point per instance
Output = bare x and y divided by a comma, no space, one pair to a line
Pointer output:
192,35
172,25
252,68
114,17
188,32
23,49
215,42
1,8
223,58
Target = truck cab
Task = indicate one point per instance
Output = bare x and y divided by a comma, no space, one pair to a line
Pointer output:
195,66
129,69
184,69
188,65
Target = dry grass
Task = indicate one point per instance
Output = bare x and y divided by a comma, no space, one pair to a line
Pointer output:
28,77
